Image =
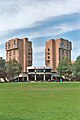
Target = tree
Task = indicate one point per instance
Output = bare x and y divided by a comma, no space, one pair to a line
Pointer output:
2,68
2,63
76,69
13,69
78,59
64,68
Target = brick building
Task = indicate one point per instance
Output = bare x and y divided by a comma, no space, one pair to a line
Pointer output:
20,50
56,50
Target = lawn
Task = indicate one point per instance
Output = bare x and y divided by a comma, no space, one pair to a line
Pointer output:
39,101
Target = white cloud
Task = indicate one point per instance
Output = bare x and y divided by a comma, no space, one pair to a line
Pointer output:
56,30
2,53
39,55
1,43
15,14
39,49
75,49
20,14
39,60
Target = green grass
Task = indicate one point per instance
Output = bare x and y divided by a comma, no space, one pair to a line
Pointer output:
40,101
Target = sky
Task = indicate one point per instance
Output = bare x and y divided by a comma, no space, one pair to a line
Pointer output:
39,21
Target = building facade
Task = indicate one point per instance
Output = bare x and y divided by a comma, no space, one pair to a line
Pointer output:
20,50
57,50
39,73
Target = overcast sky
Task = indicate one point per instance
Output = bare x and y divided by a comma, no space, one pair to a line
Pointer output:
40,20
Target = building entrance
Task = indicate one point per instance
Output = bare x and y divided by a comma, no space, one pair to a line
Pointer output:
31,77
39,77
48,77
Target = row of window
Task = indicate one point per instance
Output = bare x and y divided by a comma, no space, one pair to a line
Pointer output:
63,43
15,44
8,45
39,70
63,52
12,52
29,63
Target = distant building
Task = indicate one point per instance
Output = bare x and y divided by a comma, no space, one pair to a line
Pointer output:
20,50
57,50
39,73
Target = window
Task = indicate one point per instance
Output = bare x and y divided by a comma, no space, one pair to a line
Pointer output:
48,49
48,53
62,51
47,70
48,61
29,63
10,53
29,49
14,41
28,57
14,52
48,57
67,45
29,44
39,70
31,70
8,45
29,53
62,44
66,53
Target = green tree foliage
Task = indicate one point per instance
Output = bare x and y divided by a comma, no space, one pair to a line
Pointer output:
2,63
76,69
13,69
64,68
78,59
2,68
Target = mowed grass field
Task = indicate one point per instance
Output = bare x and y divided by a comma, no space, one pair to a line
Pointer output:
39,101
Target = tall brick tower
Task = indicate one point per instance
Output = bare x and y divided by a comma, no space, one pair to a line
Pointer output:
20,50
56,50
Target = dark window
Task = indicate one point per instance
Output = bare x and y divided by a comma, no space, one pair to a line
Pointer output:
14,41
14,52
48,57
48,49
66,53
28,49
62,52
47,70
10,53
31,70
59,58
28,57
29,53
39,70
9,45
48,61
